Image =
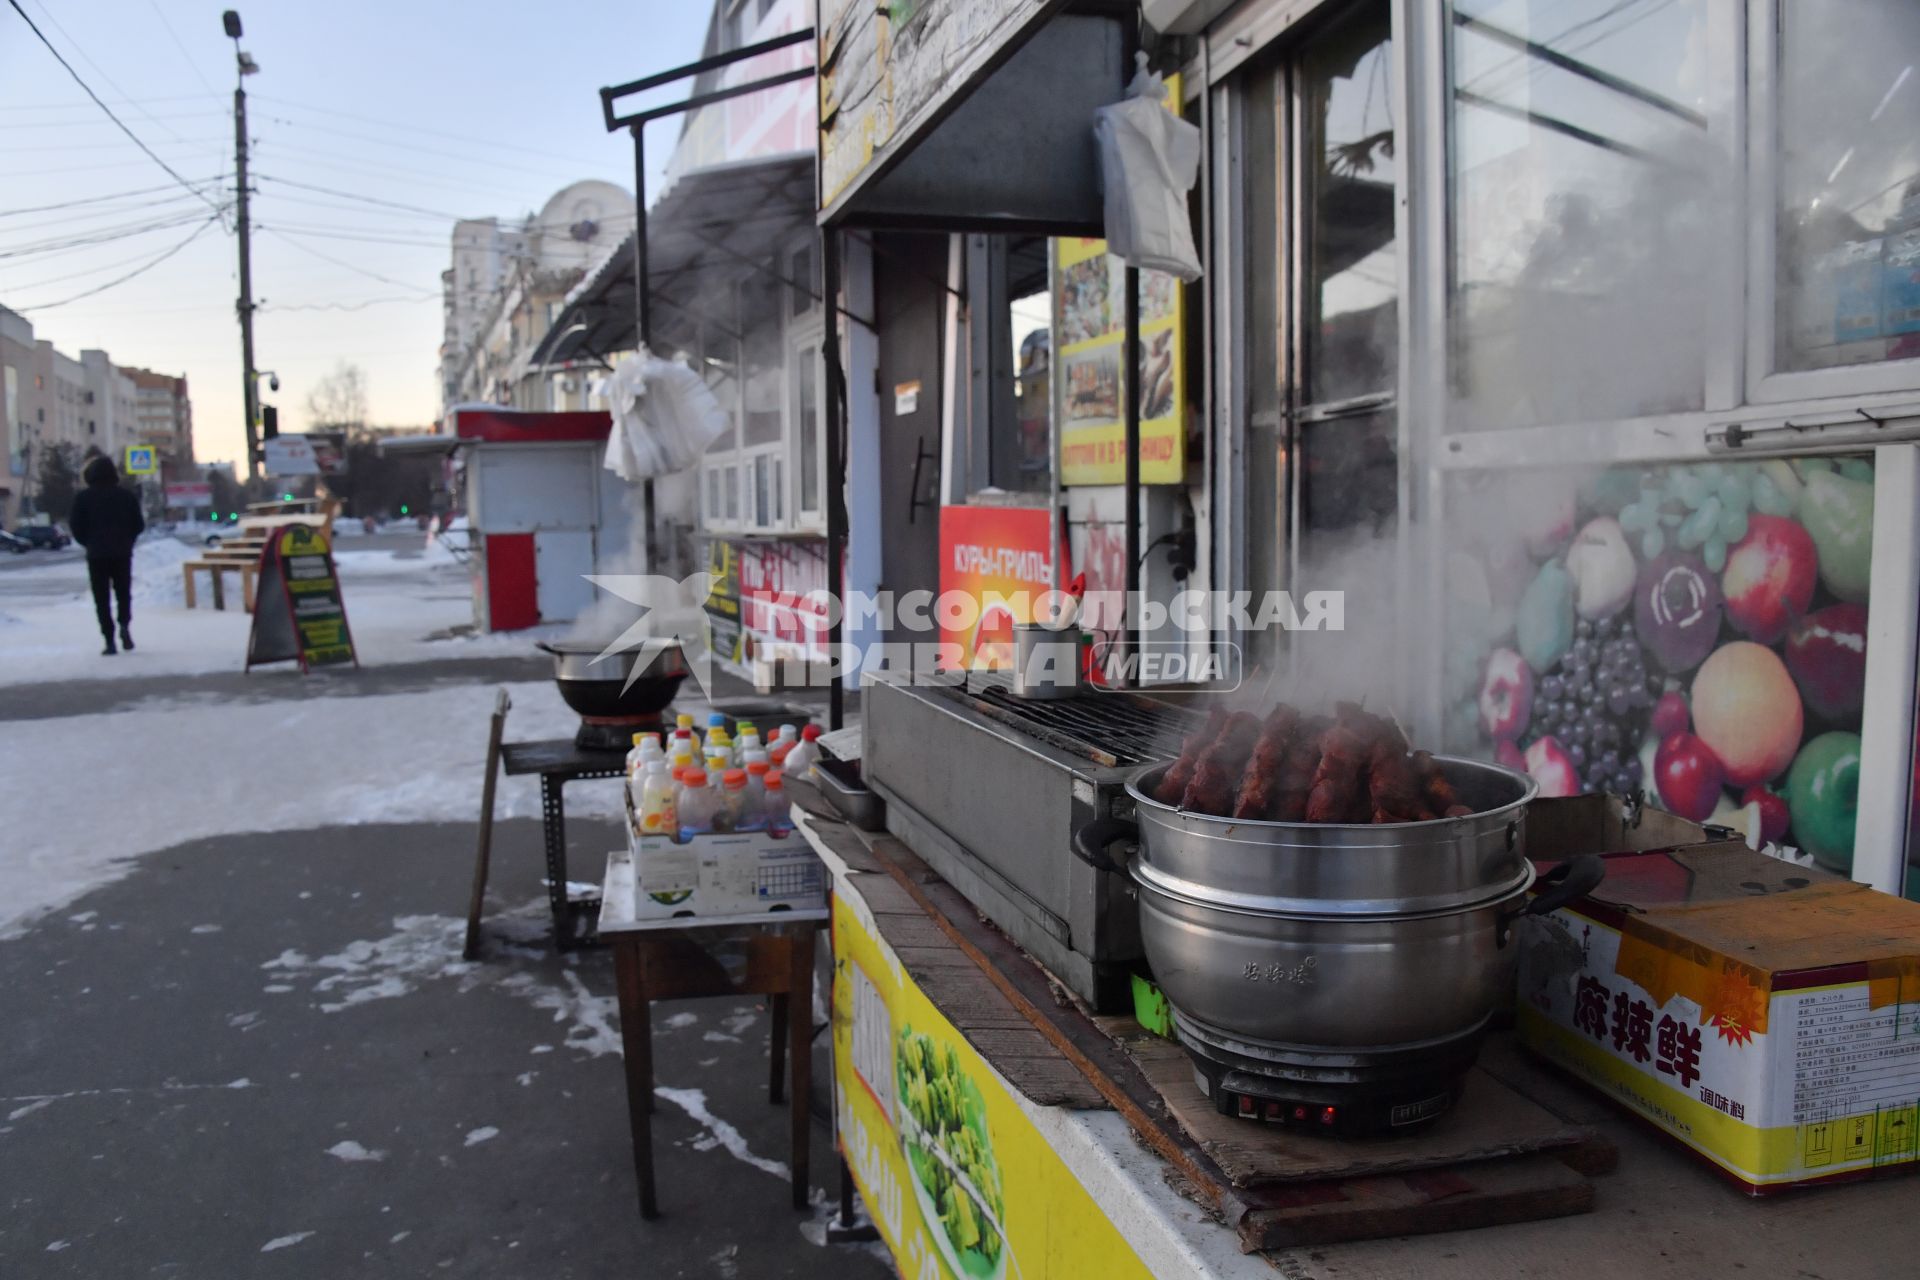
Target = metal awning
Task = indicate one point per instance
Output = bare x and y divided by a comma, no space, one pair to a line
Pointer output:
713,226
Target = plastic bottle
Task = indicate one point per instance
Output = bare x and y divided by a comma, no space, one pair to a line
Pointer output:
748,738
748,758
658,809
733,800
801,758
779,821
695,804
648,745
717,763
682,723
778,756
718,743
786,733
679,762
636,756
757,771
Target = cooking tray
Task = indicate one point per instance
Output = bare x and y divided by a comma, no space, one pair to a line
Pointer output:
840,782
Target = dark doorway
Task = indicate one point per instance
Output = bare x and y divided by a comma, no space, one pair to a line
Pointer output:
910,307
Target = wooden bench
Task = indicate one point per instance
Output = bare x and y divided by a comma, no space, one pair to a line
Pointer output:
217,572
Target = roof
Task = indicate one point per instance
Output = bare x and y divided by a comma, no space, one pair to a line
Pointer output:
716,222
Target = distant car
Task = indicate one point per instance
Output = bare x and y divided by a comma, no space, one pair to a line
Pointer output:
10,542
42,537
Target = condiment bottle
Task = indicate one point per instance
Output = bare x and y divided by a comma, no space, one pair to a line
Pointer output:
749,739
733,801
658,810
786,733
778,756
695,804
757,771
779,820
803,755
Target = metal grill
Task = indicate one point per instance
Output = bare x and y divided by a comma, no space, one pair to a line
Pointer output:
1111,729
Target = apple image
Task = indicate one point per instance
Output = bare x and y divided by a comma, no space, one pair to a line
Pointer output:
1506,696
1670,715
1602,569
1823,793
1676,610
1826,651
1550,766
1770,577
1774,815
1746,708
1688,776
1837,511
1543,621
1509,754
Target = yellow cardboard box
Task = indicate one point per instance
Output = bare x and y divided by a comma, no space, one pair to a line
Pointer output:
1765,1015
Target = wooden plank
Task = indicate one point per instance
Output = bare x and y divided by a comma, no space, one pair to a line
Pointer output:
1503,1191
1489,1122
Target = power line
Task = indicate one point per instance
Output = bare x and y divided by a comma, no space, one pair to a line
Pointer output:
171,172
191,64
288,238
489,143
103,210
103,236
86,57
348,306
140,270
118,195
348,195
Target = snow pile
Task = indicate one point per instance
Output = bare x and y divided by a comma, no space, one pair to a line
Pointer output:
157,578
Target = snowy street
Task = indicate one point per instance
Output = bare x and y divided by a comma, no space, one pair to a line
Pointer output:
241,1039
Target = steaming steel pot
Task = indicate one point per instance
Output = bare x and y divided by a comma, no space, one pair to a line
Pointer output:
1332,936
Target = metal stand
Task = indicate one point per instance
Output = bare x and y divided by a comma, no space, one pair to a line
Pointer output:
559,762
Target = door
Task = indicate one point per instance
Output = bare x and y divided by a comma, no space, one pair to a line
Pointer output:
910,304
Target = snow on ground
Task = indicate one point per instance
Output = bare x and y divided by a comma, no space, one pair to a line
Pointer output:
193,770
394,600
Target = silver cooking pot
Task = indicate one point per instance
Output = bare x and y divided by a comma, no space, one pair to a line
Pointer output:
1331,936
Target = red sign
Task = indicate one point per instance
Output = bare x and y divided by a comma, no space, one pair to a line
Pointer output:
998,556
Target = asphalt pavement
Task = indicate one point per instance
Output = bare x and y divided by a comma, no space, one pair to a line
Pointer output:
262,1056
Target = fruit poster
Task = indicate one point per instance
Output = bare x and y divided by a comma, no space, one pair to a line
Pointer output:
954,1173
998,556
1693,632
1089,342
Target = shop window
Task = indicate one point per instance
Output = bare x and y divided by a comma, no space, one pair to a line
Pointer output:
1587,202
1847,289
804,287
1696,632
763,365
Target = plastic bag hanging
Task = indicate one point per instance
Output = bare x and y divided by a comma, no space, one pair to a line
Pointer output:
664,417
1149,159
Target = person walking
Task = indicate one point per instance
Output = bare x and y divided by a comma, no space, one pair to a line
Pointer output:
106,520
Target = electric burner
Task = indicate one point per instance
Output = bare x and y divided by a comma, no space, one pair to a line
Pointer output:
615,733
1369,1093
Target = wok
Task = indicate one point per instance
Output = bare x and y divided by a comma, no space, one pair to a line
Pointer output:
597,687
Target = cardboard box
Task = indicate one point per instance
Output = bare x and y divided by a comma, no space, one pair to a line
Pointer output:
1765,1015
723,875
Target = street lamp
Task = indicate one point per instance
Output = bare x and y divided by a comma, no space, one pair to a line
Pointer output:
250,394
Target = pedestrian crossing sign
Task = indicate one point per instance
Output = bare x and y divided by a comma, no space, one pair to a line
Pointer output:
140,460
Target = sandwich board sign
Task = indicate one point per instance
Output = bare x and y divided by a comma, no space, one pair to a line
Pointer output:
141,460
298,615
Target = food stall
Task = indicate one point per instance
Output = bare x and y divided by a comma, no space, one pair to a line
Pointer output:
1536,346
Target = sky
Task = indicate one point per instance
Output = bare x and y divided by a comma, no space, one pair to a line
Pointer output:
458,108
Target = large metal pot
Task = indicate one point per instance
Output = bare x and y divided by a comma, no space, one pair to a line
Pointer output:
605,688
1310,936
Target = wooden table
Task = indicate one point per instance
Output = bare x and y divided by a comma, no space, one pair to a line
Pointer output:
671,960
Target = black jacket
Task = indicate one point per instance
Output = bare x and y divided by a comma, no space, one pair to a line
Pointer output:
105,518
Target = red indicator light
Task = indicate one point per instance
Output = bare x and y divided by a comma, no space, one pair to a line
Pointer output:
1246,1105
1273,1111
1326,1115
1299,1113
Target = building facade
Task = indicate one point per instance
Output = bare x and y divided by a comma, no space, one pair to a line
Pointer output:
506,285
163,418
25,406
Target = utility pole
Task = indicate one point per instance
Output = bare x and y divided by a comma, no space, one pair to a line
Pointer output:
230,20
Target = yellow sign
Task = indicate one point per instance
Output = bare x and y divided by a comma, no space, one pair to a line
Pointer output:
1089,324
141,460
959,1181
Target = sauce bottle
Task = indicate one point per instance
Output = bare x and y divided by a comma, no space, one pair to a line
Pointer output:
779,820
735,814
658,810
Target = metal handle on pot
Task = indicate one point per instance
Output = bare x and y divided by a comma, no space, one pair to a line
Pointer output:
1090,842
1566,884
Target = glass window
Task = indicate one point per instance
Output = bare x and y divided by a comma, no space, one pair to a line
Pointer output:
1587,200
763,357
806,416
1347,144
800,272
1848,283
730,474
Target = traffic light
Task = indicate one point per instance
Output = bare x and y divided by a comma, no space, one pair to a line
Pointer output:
269,422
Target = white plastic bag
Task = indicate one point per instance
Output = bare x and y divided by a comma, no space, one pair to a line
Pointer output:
664,417
1149,159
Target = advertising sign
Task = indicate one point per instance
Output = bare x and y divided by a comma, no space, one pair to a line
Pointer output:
1089,339
142,460
998,556
190,493
298,614
289,456
723,602
960,1182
